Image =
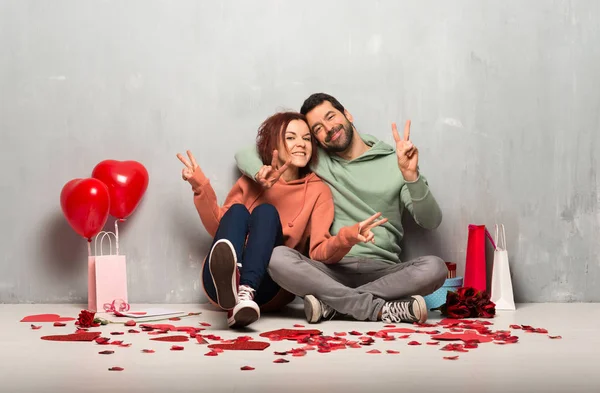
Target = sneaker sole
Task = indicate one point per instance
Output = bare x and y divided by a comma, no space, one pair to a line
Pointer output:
312,309
222,266
242,318
422,308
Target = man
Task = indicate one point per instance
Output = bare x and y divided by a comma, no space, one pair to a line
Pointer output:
366,176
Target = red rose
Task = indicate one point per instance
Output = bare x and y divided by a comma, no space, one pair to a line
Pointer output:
467,293
486,310
86,319
458,311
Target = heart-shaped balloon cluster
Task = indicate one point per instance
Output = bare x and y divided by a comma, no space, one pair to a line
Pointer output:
115,188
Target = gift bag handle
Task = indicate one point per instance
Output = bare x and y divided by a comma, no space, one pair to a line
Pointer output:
487,234
500,237
104,234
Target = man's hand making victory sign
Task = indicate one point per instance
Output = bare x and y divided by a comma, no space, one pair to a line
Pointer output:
408,154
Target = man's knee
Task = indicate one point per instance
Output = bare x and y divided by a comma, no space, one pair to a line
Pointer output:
437,270
282,260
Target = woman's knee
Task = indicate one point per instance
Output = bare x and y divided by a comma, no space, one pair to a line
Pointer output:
238,208
265,210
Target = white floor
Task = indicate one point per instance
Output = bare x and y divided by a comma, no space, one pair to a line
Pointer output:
535,364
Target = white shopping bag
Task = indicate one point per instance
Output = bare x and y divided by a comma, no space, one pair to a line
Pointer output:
502,290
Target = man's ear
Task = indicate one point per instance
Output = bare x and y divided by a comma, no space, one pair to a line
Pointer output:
348,116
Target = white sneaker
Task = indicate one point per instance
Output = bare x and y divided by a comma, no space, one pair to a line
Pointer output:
246,311
315,310
222,264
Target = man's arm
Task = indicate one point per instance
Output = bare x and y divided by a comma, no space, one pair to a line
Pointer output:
248,161
415,193
421,204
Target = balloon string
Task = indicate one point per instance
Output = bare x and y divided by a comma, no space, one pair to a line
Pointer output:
89,248
117,235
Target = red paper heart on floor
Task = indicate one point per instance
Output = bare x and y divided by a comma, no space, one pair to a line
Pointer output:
398,330
469,335
158,326
46,318
291,333
171,338
242,346
87,336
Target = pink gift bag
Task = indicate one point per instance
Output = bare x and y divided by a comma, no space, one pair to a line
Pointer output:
107,275
476,267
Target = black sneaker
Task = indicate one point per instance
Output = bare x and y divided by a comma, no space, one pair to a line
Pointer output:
412,309
315,310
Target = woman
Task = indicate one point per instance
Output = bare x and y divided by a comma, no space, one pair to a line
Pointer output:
296,211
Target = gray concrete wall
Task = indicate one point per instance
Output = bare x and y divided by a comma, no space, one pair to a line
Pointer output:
504,98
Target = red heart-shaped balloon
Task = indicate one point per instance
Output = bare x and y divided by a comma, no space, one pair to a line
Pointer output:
85,204
127,182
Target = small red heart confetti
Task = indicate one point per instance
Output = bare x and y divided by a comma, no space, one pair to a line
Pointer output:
148,350
451,357
389,338
177,348
116,333
355,333
116,369
116,342
102,340
59,324
298,325
133,331
374,351
125,345
81,330
280,353
106,352
211,353
171,339
433,343
555,337
515,326
175,319
34,327
281,360
201,340
205,324
242,346
389,326
246,368
391,351
404,336
340,334
414,343
130,323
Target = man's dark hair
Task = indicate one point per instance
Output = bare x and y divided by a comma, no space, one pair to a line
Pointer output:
317,99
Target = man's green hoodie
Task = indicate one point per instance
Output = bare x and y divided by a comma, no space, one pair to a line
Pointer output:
361,187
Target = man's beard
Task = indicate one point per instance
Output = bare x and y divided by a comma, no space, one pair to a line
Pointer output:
339,145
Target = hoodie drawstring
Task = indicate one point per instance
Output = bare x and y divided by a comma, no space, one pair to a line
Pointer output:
291,223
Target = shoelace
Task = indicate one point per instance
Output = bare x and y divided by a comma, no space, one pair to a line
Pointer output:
245,293
398,311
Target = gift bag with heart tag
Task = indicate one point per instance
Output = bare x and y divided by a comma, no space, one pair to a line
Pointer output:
107,275
502,290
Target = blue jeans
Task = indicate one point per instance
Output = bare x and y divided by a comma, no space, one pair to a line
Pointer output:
262,229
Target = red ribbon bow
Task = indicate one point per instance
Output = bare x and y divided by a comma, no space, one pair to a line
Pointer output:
116,305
